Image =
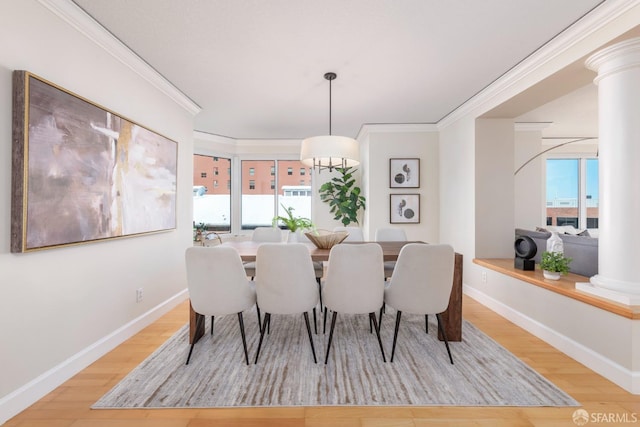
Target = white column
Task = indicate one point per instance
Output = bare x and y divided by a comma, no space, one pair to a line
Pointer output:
618,81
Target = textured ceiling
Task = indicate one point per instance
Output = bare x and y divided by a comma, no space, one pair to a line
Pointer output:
256,67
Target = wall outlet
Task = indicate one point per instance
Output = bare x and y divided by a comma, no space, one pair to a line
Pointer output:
484,277
139,294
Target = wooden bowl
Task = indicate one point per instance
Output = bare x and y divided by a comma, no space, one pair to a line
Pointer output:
324,239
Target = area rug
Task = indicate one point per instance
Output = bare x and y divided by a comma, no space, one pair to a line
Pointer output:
483,374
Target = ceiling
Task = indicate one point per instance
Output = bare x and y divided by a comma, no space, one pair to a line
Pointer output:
256,67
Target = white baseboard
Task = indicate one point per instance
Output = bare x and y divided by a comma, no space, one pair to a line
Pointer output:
18,400
623,377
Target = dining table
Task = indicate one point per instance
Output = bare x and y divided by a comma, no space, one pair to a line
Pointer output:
452,317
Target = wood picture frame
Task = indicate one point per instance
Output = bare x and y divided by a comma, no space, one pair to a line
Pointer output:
404,173
404,208
82,173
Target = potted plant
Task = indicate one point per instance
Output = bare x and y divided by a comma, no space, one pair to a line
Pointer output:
198,231
343,196
554,264
294,224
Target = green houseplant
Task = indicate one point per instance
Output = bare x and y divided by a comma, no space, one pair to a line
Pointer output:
343,196
291,222
553,264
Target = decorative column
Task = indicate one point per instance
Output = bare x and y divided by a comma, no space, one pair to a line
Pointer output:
618,80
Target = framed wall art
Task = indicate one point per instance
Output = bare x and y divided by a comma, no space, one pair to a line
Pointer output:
404,173
404,208
82,173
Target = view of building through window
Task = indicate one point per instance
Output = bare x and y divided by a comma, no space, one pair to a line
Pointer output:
212,202
266,185
263,197
566,203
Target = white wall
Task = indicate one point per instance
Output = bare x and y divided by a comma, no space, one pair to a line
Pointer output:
396,142
494,188
62,308
529,211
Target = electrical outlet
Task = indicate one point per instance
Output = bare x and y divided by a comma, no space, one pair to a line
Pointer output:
484,277
139,294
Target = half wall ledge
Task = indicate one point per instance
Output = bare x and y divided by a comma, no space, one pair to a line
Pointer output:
567,286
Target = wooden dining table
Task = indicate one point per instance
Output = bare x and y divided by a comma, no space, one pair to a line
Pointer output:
452,317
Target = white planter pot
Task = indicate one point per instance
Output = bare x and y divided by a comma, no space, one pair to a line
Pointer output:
551,275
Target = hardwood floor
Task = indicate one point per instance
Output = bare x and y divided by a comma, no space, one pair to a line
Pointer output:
69,404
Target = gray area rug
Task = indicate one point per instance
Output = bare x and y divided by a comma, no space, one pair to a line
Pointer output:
484,373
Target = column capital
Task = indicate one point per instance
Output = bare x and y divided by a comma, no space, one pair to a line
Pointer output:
614,59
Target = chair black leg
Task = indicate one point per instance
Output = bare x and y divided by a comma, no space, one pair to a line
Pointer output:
212,319
380,316
315,322
259,319
426,323
370,325
372,316
320,291
265,323
198,326
306,320
333,324
244,338
444,335
395,334
324,322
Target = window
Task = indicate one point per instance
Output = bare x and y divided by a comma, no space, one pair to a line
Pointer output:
303,171
229,184
271,187
258,197
212,207
572,192
215,170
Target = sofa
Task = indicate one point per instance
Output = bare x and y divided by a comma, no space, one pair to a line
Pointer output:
579,246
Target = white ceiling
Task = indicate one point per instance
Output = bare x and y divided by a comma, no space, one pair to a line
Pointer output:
256,67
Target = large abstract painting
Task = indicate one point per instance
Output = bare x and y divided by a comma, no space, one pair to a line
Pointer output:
82,173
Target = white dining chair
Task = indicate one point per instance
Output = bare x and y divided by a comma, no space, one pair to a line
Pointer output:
390,235
263,235
421,284
355,233
218,286
354,284
285,284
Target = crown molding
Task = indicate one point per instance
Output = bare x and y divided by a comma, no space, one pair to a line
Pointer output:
73,15
531,126
505,86
369,128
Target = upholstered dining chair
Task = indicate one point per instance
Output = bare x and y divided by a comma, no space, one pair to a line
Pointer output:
354,284
218,286
266,235
390,235
421,284
355,233
318,266
285,284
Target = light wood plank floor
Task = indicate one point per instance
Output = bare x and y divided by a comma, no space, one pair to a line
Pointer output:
69,404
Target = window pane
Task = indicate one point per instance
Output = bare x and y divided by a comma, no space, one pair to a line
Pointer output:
211,202
592,193
257,195
563,186
293,191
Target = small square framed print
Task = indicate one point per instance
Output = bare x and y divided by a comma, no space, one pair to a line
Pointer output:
404,173
404,209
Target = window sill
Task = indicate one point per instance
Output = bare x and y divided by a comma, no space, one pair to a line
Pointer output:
565,286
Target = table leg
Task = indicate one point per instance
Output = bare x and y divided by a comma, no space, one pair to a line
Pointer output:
452,317
194,333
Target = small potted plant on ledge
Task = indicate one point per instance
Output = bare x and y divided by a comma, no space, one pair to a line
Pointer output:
554,264
294,224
